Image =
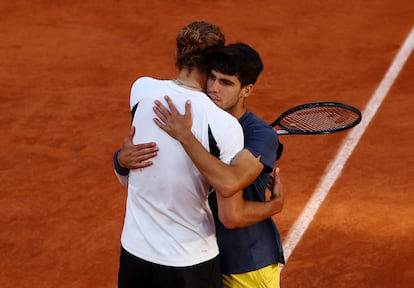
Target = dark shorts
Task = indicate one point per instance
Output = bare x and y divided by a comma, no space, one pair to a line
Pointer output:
135,272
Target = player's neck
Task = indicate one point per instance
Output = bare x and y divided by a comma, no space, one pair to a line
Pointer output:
237,111
193,80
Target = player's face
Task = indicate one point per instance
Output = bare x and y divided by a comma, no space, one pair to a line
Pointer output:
224,90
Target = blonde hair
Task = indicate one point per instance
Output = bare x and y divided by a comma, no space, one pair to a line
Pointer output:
194,42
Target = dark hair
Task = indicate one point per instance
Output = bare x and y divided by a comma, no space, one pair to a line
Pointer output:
194,42
237,59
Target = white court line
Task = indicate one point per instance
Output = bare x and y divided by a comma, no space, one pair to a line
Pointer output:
335,167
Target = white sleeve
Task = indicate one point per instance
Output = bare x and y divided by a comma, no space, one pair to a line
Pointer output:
232,143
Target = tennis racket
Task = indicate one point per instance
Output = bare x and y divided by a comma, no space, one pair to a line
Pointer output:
312,119
317,118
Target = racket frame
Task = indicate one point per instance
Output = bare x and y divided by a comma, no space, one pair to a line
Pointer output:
287,130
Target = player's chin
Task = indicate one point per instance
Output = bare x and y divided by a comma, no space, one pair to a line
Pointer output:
217,102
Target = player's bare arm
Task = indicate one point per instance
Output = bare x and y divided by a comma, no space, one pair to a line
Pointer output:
226,179
235,212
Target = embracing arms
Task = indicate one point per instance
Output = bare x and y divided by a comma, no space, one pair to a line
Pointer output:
226,179
234,212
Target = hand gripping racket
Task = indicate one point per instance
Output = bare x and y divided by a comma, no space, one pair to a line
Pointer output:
317,118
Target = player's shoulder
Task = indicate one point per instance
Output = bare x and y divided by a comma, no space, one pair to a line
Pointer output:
251,119
253,124
145,80
220,120
145,84
221,115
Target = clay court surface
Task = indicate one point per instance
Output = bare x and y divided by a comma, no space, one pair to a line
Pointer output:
65,74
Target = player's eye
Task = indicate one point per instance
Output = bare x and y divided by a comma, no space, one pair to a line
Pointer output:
227,83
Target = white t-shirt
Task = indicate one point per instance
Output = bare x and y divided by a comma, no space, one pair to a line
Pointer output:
168,220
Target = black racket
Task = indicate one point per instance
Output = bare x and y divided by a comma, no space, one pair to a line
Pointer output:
317,118
314,118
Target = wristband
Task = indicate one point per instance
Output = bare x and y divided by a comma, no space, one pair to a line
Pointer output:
118,168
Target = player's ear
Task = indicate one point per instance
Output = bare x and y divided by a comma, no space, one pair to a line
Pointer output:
247,90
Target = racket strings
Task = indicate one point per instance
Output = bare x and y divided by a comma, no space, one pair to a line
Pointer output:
319,119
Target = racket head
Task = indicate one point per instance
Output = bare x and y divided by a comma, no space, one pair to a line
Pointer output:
318,118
